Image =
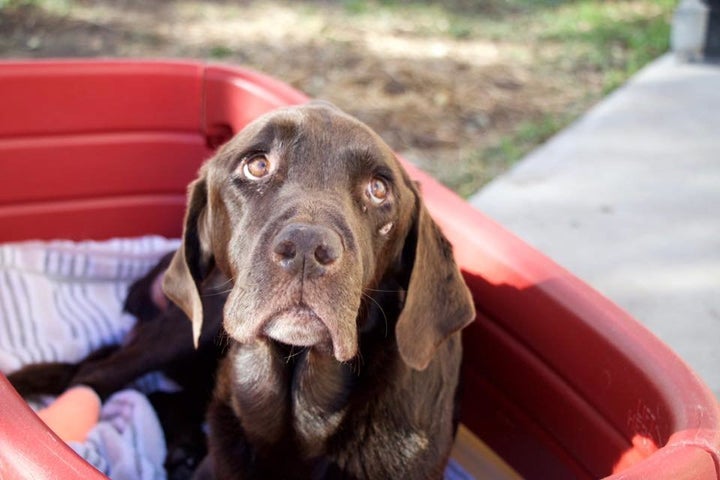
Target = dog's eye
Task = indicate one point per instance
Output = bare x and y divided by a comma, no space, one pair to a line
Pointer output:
256,167
377,191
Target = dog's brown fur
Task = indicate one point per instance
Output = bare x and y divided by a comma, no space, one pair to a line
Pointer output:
344,309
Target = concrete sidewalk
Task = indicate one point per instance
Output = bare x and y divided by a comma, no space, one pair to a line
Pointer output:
628,199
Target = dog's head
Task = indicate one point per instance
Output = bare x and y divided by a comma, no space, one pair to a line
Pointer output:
307,210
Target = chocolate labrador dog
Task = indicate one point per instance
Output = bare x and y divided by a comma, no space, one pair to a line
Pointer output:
344,310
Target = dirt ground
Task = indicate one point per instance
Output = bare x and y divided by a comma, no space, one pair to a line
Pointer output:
444,84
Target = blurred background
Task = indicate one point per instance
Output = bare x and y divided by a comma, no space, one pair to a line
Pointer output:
462,88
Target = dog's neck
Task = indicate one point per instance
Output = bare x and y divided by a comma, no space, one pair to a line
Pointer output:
298,397
284,394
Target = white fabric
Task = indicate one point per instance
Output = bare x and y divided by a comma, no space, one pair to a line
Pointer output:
59,301
127,443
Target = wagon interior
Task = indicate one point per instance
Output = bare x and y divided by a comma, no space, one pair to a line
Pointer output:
558,382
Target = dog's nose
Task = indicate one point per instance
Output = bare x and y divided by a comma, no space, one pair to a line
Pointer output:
307,249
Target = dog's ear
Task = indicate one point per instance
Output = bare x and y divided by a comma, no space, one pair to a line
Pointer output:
437,303
192,261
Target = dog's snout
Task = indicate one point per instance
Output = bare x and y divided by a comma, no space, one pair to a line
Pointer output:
307,249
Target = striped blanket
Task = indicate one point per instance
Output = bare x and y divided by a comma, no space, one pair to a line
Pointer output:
59,301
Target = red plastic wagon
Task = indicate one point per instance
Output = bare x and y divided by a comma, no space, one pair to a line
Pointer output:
558,381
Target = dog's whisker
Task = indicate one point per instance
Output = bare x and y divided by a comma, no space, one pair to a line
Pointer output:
218,289
379,306
223,340
378,290
216,293
229,281
294,353
358,362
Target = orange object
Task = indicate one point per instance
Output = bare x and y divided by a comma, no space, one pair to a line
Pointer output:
73,414
559,381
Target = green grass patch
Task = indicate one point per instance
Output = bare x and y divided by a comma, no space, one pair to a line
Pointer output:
527,136
15,3
50,5
481,167
219,52
614,38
